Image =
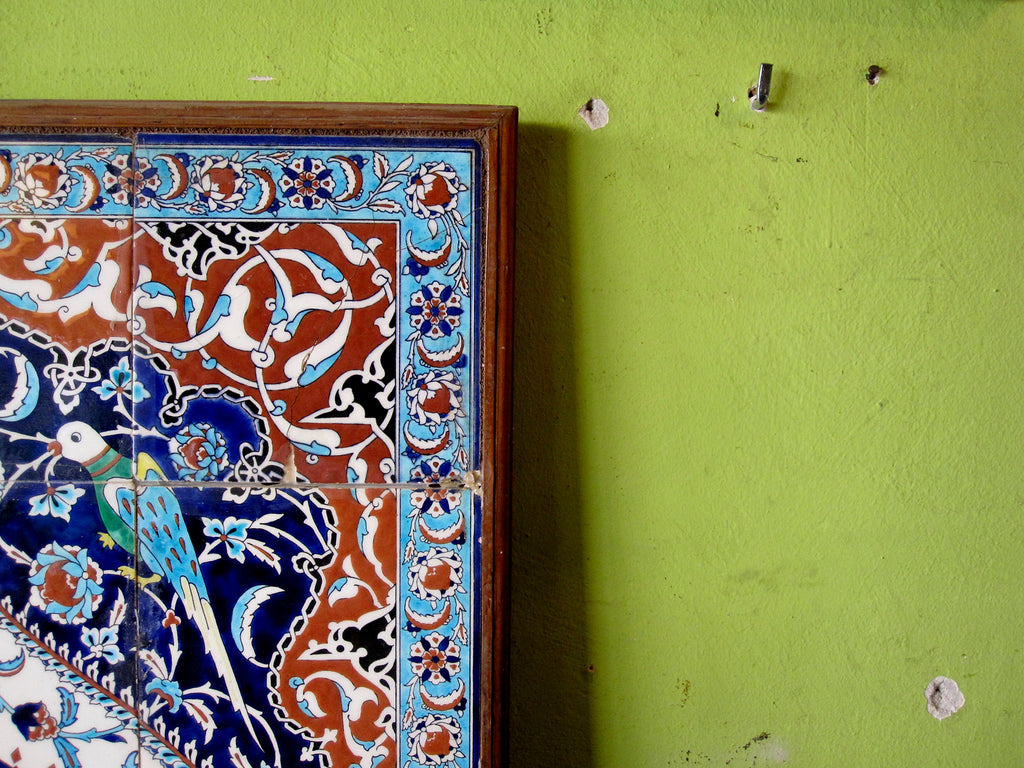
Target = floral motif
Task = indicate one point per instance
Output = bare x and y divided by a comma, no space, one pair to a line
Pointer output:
435,310
416,267
433,190
436,574
122,384
42,180
232,532
102,641
235,535
435,658
65,583
307,183
434,471
435,739
168,690
131,180
199,452
56,502
435,397
436,500
219,182
35,722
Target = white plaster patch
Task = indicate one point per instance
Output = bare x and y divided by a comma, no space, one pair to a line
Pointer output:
260,79
944,697
594,114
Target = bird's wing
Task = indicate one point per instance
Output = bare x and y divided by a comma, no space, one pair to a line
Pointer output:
120,495
164,543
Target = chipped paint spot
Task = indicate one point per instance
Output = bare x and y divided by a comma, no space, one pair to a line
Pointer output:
944,697
290,470
260,79
594,114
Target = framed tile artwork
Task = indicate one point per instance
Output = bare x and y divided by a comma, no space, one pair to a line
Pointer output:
254,431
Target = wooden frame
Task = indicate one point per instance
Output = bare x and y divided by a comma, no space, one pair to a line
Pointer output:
180,155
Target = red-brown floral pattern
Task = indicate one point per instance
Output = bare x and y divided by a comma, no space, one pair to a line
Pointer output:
65,583
42,180
434,740
433,190
435,397
219,182
436,574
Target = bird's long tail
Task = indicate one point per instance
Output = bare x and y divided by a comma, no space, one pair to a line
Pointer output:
200,612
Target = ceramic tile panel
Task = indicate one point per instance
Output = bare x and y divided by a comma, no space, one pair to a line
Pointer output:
325,285
239,409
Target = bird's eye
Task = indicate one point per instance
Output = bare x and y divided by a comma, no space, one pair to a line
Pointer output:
76,437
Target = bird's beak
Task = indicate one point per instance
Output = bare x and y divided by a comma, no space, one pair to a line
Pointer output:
53,447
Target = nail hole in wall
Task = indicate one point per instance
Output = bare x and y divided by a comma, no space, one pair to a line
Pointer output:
594,114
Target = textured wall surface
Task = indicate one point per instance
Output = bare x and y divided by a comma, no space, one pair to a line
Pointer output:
769,434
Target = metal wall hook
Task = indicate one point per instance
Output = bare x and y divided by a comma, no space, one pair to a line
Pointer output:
759,93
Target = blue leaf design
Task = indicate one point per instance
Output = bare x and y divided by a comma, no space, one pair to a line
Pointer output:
12,665
22,301
293,324
68,707
337,586
280,313
316,448
91,280
50,266
220,309
313,372
328,270
111,735
67,752
154,289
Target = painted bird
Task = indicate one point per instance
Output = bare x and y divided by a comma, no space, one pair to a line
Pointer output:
163,540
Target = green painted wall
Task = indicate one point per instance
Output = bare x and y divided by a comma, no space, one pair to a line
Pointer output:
769,431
